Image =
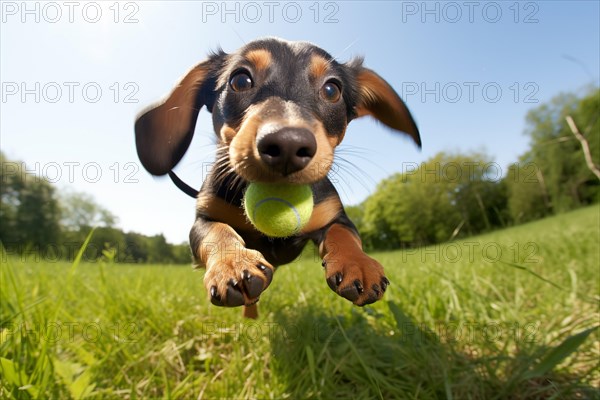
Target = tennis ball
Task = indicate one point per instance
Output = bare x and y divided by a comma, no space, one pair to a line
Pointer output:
278,210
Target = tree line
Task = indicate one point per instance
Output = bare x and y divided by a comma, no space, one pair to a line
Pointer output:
449,196
38,221
462,194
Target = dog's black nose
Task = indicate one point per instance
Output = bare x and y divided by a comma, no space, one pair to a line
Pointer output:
287,150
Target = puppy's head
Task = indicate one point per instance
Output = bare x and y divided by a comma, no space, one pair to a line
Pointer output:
279,108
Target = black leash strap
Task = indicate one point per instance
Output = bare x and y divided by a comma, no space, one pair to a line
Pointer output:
184,187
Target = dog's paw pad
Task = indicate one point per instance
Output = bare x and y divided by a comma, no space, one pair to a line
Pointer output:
234,297
268,272
369,300
253,285
353,291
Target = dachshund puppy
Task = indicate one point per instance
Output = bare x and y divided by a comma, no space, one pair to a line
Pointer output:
279,111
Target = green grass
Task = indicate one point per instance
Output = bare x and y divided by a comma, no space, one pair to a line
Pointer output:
511,314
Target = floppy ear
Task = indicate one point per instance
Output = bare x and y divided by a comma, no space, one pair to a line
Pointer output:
164,131
378,99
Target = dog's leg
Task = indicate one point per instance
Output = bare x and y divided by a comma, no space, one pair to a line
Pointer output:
250,311
350,272
235,275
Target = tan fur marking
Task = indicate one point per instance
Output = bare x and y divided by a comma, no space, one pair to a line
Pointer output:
220,237
323,213
242,149
246,160
226,258
219,210
227,134
318,66
260,58
322,161
342,252
339,241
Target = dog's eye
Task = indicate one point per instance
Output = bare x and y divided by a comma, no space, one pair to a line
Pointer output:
240,81
330,92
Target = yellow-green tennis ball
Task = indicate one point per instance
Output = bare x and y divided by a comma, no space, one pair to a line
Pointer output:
278,210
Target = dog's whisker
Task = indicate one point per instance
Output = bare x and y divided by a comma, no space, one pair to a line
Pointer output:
221,176
357,154
355,172
346,48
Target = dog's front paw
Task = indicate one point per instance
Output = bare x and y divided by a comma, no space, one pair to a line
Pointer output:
238,278
356,277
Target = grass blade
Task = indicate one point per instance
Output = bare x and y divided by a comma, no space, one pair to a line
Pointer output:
558,353
517,266
311,364
79,255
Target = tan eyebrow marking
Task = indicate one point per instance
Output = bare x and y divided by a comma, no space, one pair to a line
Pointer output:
260,58
318,66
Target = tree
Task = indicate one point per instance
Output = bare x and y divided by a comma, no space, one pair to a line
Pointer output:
11,185
563,172
81,210
181,253
136,248
446,196
105,238
527,196
159,251
29,209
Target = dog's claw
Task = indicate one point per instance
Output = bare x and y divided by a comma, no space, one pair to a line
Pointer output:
241,287
215,297
357,277
384,283
359,286
334,281
376,289
375,294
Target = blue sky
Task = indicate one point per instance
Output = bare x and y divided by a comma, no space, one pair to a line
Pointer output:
75,75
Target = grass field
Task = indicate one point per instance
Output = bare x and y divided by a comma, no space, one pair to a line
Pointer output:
512,314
